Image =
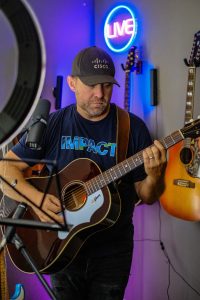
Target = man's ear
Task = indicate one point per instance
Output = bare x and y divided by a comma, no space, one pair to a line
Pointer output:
71,82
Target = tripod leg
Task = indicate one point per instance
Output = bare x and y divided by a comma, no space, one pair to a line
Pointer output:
20,246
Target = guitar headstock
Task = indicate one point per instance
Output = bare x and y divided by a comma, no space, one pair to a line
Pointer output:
192,129
132,63
195,53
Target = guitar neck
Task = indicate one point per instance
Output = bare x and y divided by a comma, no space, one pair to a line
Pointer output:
3,277
190,94
127,165
127,91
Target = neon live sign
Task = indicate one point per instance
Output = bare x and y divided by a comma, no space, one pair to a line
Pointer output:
120,28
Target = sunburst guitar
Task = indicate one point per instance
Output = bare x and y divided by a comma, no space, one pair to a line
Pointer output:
89,207
181,197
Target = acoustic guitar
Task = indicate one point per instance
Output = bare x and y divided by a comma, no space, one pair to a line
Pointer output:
89,207
182,192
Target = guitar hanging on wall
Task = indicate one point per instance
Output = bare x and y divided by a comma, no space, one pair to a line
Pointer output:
132,64
182,178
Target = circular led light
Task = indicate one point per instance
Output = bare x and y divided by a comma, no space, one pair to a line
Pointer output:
18,105
120,28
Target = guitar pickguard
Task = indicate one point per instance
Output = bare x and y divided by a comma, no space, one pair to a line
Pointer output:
84,214
194,168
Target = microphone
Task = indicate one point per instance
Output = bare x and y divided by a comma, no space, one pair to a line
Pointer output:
10,230
38,125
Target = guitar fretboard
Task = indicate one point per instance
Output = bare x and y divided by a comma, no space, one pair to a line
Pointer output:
127,91
190,94
127,165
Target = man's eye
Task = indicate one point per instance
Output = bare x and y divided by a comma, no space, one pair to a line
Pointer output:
107,84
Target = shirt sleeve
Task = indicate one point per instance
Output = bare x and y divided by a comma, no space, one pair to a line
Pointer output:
31,157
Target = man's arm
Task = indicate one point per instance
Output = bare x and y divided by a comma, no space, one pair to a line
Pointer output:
13,171
150,189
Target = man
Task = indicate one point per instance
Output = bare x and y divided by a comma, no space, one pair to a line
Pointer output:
100,270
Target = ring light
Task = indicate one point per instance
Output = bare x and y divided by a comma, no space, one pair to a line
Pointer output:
31,69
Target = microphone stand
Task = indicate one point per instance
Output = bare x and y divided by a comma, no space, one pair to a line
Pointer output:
10,235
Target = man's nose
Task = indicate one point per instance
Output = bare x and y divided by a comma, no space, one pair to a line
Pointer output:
98,90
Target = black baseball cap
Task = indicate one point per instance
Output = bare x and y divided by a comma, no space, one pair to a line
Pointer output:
93,66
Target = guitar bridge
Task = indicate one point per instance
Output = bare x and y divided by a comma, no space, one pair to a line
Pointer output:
184,183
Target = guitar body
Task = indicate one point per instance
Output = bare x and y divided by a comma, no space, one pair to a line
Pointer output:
181,196
85,215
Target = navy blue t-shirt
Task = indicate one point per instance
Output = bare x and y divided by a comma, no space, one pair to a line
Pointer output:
69,136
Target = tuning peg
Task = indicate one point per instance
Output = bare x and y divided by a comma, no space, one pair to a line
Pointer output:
186,62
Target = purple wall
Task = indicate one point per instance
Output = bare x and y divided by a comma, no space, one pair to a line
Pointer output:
67,27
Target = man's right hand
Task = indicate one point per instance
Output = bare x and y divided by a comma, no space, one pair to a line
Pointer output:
50,205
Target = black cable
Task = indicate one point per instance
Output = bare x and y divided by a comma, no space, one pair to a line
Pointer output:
170,265
169,261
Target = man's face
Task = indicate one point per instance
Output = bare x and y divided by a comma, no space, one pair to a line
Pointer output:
92,101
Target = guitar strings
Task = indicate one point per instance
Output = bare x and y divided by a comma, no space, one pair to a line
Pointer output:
73,196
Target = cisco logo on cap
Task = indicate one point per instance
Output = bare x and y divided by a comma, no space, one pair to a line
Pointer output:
120,28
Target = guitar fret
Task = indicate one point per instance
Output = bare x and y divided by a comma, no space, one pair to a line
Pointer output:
126,166
87,187
135,161
96,184
190,94
129,67
119,172
90,186
110,172
108,177
188,112
102,180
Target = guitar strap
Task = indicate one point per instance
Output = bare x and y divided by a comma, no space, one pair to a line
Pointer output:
123,130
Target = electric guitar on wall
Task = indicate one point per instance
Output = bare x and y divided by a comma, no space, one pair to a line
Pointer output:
182,191
89,207
132,64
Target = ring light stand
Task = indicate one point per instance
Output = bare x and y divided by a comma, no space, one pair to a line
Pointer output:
24,98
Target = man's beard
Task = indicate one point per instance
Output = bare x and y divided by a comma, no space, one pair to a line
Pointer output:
98,110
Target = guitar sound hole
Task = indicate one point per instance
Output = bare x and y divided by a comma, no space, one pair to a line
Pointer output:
74,197
186,155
